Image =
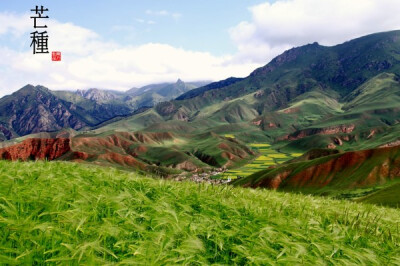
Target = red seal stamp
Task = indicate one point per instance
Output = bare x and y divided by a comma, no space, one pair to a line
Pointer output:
56,56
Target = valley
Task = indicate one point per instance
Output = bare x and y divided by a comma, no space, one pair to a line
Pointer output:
268,157
200,132
314,100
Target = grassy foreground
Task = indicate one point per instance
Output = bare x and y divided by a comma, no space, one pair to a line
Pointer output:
57,212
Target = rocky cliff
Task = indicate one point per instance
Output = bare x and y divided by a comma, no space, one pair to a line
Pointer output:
36,149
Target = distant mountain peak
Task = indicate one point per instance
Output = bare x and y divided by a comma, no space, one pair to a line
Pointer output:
29,89
96,95
28,86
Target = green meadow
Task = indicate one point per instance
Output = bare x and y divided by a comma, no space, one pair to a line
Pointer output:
66,213
267,158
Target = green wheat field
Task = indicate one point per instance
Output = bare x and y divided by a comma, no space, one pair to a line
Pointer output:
65,213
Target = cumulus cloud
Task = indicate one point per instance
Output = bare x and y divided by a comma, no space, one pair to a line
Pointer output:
90,61
13,24
277,26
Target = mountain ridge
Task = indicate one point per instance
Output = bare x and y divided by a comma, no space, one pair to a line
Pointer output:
34,109
341,97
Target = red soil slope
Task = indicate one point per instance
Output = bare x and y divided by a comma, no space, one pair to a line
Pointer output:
139,150
36,148
345,170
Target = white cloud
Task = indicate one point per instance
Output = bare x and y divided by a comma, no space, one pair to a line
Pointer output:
174,15
143,21
89,61
283,24
12,23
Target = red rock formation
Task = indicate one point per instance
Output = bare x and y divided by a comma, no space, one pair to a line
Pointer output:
272,183
331,146
319,131
228,155
231,152
139,150
80,156
350,170
124,160
36,149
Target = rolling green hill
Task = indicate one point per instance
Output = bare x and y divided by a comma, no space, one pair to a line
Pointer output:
341,97
339,69
307,95
212,86
65,213
374,172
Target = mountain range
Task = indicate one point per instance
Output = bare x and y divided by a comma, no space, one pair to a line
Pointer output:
34,109
343,98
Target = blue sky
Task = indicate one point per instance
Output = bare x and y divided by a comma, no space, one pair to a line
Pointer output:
195,25
122,44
